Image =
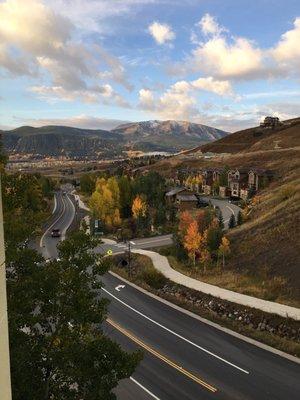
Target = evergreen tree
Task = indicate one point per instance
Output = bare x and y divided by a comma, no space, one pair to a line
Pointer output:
58,347
240,218
221,220
125,196
213,238
231,223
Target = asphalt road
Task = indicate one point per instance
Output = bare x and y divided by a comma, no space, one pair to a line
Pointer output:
145,243
184,359
226,208
62,217
236,369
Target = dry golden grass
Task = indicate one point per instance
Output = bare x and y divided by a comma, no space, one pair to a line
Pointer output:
263,287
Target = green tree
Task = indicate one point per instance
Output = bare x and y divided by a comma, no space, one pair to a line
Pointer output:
126,196
58,347
87,183
224,249
24,208
215,188
223,180
221,220
160,216
214,236
232,222
209,215
152,185
239,218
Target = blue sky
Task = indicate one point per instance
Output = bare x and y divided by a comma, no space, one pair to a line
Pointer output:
96,63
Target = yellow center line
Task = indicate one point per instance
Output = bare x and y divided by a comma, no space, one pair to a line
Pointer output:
161,357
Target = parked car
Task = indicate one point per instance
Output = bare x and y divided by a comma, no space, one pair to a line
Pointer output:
55,233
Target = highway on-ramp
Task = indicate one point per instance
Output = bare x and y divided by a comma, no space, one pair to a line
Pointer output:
184,358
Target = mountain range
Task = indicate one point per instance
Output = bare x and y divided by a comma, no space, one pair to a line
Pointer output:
55,141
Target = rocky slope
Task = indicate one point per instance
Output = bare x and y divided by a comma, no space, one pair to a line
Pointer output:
57,141
168,135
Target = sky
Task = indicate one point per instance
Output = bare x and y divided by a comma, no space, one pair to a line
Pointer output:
98,63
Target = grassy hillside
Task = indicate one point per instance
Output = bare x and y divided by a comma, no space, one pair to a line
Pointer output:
285,136
267,245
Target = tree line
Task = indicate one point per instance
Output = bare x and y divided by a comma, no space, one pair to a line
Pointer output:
131,205
58,346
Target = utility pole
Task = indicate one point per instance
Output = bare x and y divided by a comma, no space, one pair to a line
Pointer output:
5,383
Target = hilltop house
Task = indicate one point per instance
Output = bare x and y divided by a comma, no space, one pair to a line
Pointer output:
270,122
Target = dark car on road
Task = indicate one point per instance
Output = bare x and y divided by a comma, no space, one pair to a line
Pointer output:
55,233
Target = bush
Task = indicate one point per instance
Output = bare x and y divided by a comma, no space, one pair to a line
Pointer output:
154,278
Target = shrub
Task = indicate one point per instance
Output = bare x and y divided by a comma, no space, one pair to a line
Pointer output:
153,278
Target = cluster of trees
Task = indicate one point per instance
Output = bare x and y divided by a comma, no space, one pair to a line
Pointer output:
193,182
58,347
201,236
105,202
132,205
235,221
25,206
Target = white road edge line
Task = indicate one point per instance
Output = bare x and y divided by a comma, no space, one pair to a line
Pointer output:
145,389
55,205
231,210
175,334
70,220
48,229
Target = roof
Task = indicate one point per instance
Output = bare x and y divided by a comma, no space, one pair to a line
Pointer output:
259,171
174,191
186,197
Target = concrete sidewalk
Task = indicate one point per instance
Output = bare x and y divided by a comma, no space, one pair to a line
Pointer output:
161,263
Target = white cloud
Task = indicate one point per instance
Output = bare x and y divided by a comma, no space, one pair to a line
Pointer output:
179,102
175,103
222,88
287,51
209,25
238,58
161,33
146,99
95,15
222,59
104,94
34,38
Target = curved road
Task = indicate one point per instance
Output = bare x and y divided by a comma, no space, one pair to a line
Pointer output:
184,358
62,218
226,208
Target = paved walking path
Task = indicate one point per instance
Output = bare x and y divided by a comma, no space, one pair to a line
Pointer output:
161,263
